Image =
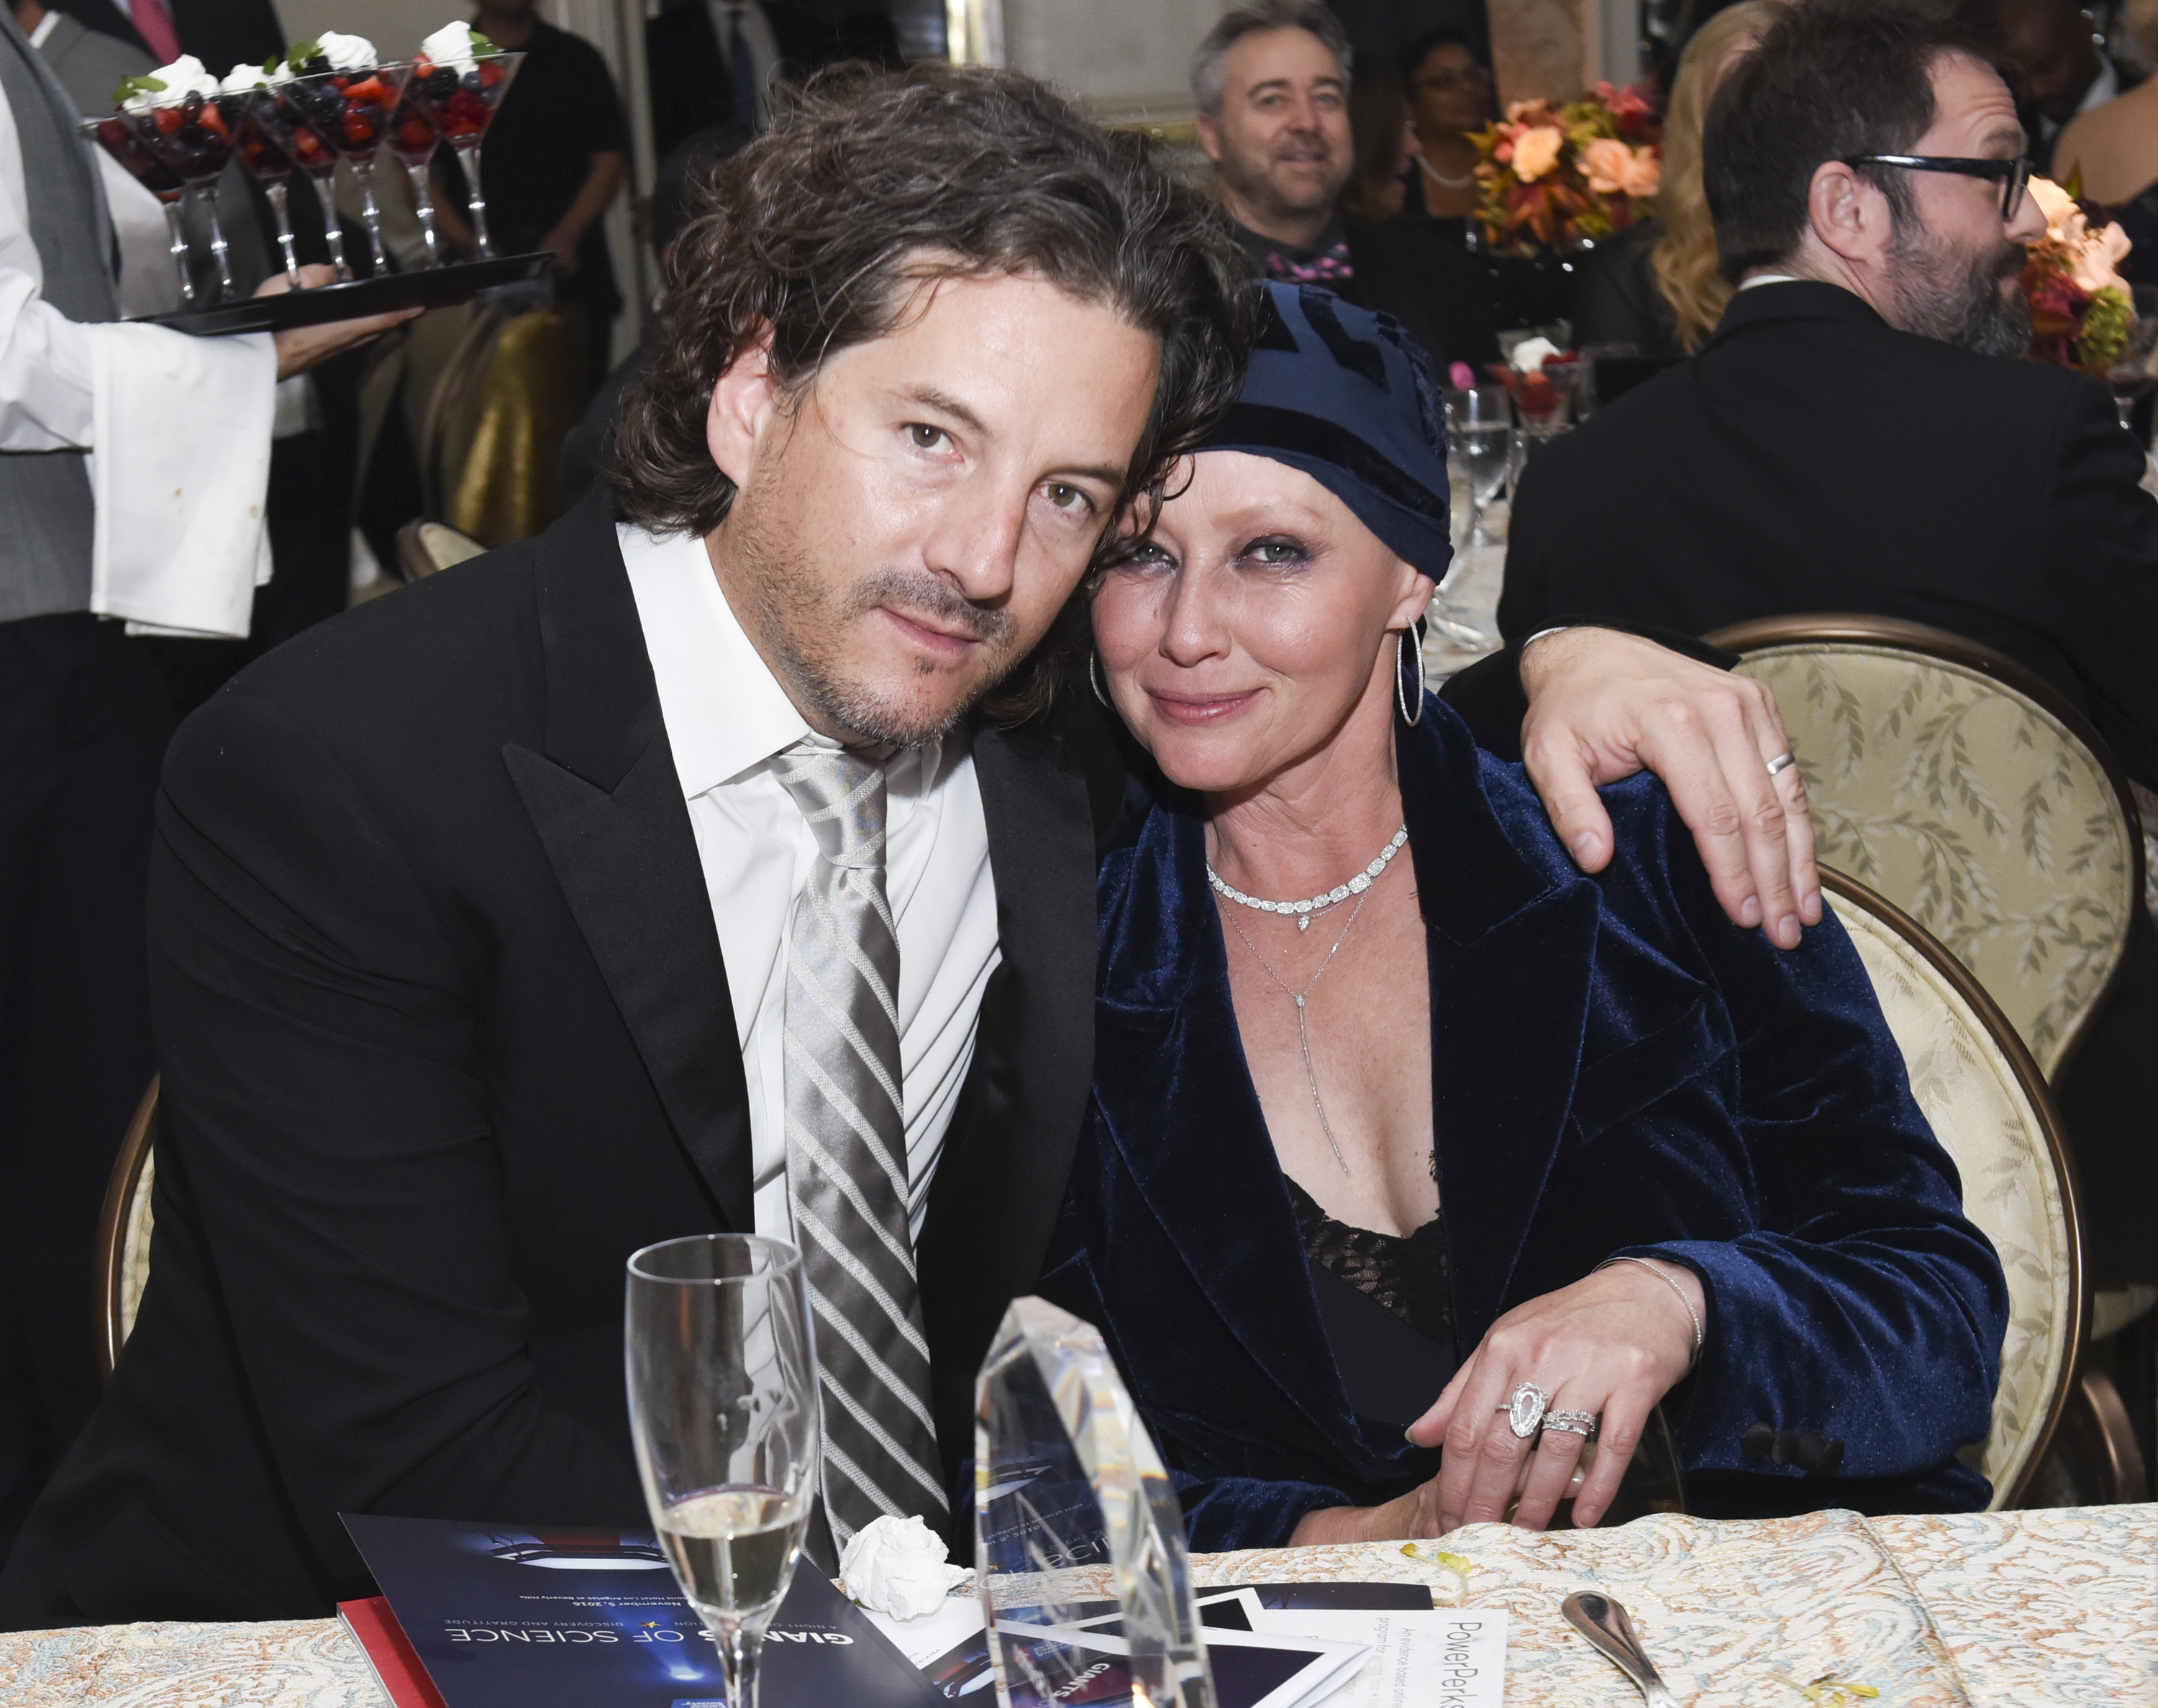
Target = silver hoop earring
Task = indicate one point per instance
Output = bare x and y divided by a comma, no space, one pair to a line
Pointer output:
1401,693
1094,677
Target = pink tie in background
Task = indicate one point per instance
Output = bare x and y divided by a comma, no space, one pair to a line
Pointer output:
154,25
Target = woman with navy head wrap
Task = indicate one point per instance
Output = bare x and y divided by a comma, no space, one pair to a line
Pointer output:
1402,1124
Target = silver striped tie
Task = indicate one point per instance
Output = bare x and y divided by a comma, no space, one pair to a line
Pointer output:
846,1152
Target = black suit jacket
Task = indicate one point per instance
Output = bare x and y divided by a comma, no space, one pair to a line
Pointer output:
445,1035
1406,268
690,85
1812,458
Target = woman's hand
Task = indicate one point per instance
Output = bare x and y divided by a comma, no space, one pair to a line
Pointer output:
1613,1344
301,348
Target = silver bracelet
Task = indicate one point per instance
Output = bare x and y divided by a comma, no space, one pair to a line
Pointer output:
1698,1337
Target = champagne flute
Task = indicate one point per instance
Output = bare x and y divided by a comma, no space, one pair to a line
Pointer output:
723,1414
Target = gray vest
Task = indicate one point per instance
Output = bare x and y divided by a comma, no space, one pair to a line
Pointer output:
46,521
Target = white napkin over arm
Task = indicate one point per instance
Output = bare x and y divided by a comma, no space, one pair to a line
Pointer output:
177,429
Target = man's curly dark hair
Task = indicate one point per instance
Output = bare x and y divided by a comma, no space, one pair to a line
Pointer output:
871,182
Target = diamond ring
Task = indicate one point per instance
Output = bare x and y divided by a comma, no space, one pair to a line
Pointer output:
1583,1424
1526,1410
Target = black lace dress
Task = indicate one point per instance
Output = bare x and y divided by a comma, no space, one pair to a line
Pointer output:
1387,1307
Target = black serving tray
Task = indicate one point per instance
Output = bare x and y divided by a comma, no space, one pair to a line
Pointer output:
436,287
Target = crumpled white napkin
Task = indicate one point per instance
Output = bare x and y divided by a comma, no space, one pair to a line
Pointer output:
896,1566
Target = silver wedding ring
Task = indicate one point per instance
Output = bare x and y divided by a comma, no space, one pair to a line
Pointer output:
1786,757
1583,1424
1525,1410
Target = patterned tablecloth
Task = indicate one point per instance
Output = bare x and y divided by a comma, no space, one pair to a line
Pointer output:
2007,1610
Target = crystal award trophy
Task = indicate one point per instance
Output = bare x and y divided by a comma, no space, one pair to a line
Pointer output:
1066,1476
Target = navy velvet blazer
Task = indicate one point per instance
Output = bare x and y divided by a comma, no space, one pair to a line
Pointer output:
1615,1068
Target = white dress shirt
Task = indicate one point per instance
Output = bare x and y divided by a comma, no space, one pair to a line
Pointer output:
177,429
756,31
726,717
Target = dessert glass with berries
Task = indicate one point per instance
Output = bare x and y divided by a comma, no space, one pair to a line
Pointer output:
350,111
288,127
413,139
461,95
190,133
117,136
250,108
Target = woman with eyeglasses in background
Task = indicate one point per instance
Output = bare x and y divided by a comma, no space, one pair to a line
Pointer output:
1450,94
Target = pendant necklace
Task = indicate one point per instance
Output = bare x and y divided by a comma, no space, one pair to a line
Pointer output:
1304,1036
1317,904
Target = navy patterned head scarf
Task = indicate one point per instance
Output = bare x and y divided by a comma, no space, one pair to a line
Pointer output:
1345,395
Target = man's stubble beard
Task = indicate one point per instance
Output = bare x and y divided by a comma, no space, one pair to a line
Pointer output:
1255,188
801,625
1962,304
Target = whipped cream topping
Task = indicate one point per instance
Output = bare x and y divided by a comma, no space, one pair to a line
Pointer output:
1529,354
186,75
346,53
450,47
896,1566
242,78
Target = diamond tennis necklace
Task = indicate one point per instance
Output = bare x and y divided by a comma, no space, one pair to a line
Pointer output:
1304,910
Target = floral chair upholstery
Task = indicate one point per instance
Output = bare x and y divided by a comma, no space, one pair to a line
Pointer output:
1979,1087
1964,791
123,1233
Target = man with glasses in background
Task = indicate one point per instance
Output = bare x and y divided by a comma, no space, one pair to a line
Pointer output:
1858,436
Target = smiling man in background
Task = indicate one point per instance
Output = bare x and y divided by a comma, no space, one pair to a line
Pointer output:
1272,81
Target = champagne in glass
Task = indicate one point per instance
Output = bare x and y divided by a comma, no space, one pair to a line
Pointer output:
723,1411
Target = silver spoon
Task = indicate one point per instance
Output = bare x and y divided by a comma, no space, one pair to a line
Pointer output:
1604,1623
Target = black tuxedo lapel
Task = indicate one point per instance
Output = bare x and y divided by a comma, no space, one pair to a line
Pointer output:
607,803
1009,1151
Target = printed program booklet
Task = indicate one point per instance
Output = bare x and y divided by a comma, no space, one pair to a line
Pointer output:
503,1617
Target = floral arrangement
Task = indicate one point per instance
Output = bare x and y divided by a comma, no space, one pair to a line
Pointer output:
2081,308
1557,177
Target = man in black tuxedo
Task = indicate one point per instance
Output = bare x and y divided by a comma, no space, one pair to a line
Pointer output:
714,62
493,923
1272,81
1855,437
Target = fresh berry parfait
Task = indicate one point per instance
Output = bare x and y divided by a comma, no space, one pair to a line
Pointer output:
117,136
413,139
250,108
458,81
175,111
347,100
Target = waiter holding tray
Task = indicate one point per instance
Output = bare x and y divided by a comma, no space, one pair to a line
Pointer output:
134,464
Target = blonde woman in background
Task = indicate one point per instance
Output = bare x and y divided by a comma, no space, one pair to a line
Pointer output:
1655,285
2113,149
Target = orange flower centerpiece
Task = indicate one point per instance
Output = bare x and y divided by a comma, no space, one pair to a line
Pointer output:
1554,178
2082,311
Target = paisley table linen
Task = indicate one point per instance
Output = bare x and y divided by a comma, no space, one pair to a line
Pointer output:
1997,1610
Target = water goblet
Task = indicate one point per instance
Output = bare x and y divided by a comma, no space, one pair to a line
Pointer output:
192,135
724,1417
263,158
350,111
1479,423
117,136
413,139
462,105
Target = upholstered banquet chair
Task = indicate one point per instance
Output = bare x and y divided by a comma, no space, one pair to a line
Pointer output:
123,1233
1968,791
1978,1086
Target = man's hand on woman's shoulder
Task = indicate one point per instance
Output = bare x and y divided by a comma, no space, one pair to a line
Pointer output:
1604,704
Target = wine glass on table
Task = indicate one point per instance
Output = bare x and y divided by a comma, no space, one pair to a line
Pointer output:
462,103
117,136
350,111
191,135
723,1413
252,115
413,139
1480,428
